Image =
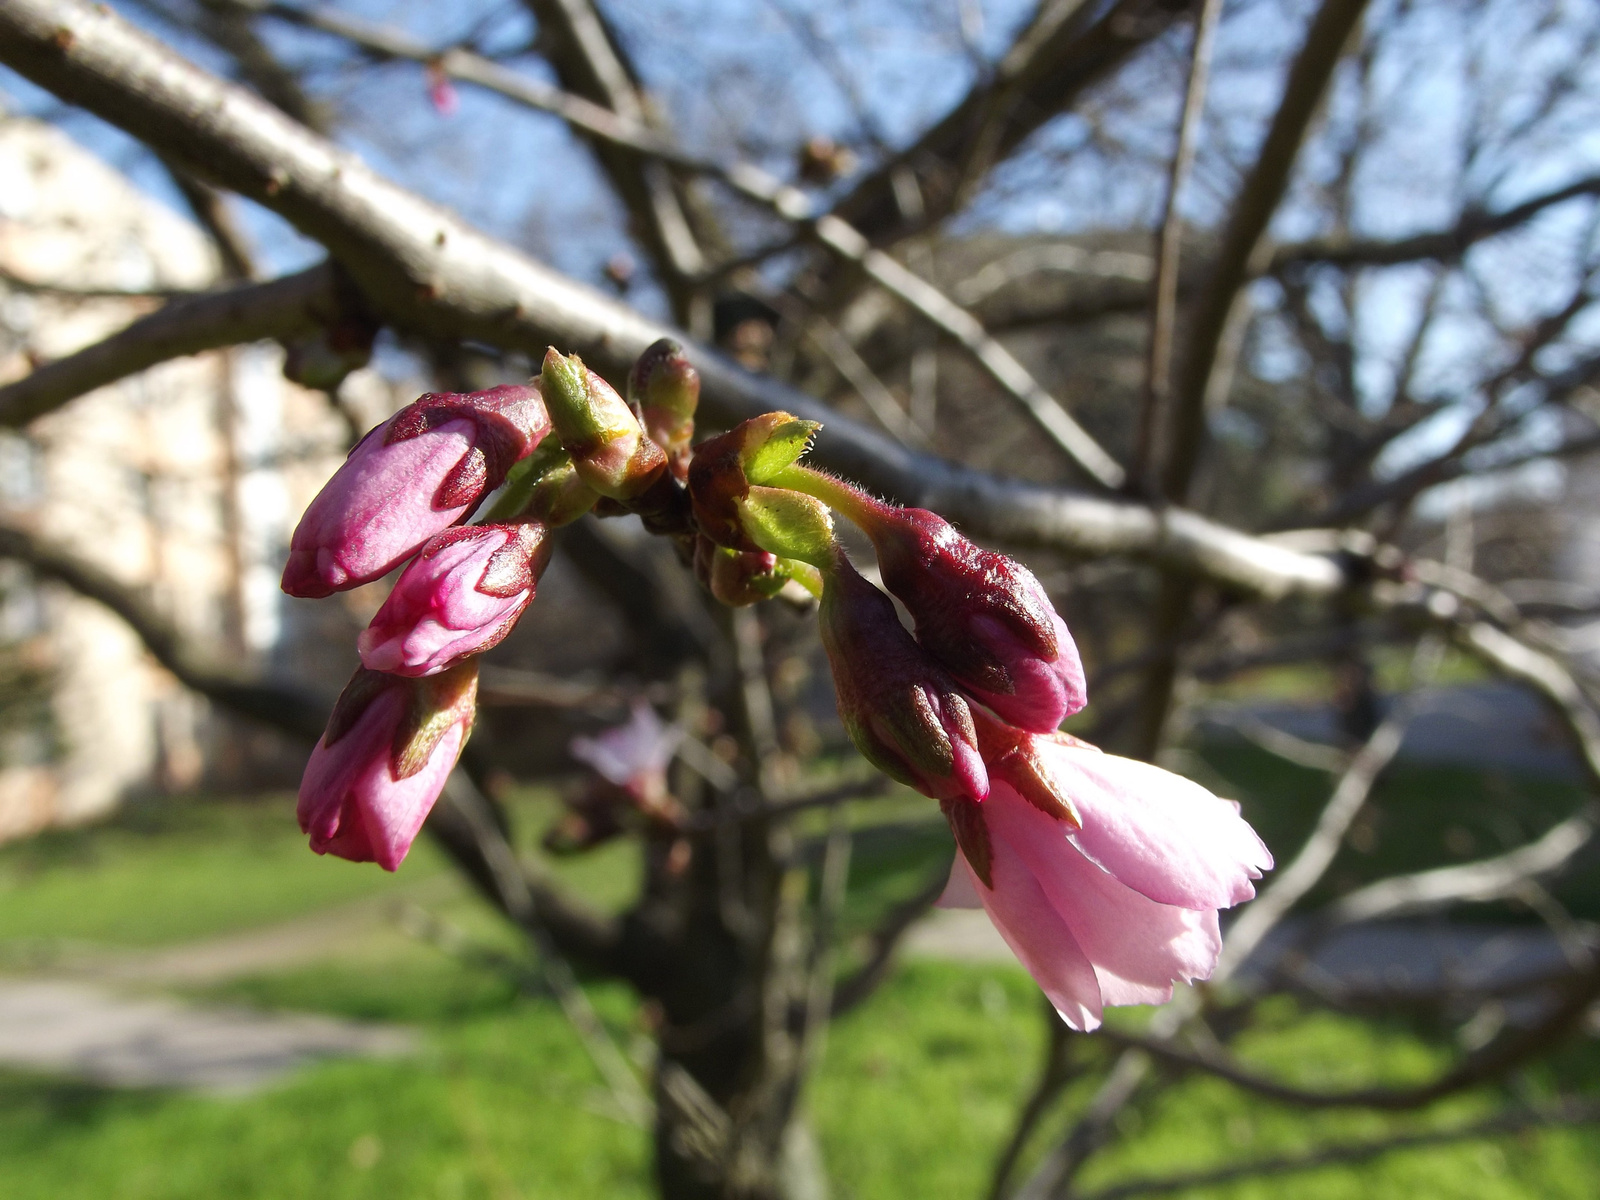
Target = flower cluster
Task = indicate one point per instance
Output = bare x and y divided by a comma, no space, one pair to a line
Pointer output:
404,496
1105,875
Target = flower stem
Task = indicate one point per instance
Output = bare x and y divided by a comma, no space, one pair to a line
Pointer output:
857,505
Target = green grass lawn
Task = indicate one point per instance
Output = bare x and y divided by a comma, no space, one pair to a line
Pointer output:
916,1092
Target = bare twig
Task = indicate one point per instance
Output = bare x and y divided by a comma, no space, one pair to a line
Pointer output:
1247,221
626,129
1316,856
1493,1061
1164,307
857,987
207,321
1570,1112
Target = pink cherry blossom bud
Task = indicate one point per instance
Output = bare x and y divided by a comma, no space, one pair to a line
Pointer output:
460,596
901,709
982,615
420,472
1103,874
383,761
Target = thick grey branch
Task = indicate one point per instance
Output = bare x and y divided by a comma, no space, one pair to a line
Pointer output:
625,129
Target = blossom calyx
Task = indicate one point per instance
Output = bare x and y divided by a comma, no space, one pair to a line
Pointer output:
545,488
664,390
725,468
902,710
607,444
420,472
460,596
383,760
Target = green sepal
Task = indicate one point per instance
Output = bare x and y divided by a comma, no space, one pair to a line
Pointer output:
523,477
780,446
437,703
788,524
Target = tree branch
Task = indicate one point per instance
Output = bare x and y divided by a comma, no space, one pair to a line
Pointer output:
857,987
1493,1061
250,312
1570,1112
1068,47
1253,208
421,268
1444,245
625,129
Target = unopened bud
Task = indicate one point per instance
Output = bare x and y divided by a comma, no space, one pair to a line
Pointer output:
724,469
607,444
982,615
902,710
425,469
383,760
665,391
789,524
461,596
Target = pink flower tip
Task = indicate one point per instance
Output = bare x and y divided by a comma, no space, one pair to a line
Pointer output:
460,596
382,762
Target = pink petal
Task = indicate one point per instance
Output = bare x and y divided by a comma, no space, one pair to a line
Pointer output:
1039,937
960,891
1139,948
393,810
1161,834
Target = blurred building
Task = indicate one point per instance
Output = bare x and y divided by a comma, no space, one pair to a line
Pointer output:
182,481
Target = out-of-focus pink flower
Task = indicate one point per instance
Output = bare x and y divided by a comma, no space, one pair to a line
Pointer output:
1103,874
461,595
982,615
418,473
901,709
442,92
634,756
382,762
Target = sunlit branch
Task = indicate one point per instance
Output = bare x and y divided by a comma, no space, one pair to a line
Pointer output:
1251,210
1493,1061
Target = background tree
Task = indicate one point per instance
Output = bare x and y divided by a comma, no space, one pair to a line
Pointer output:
1195,306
